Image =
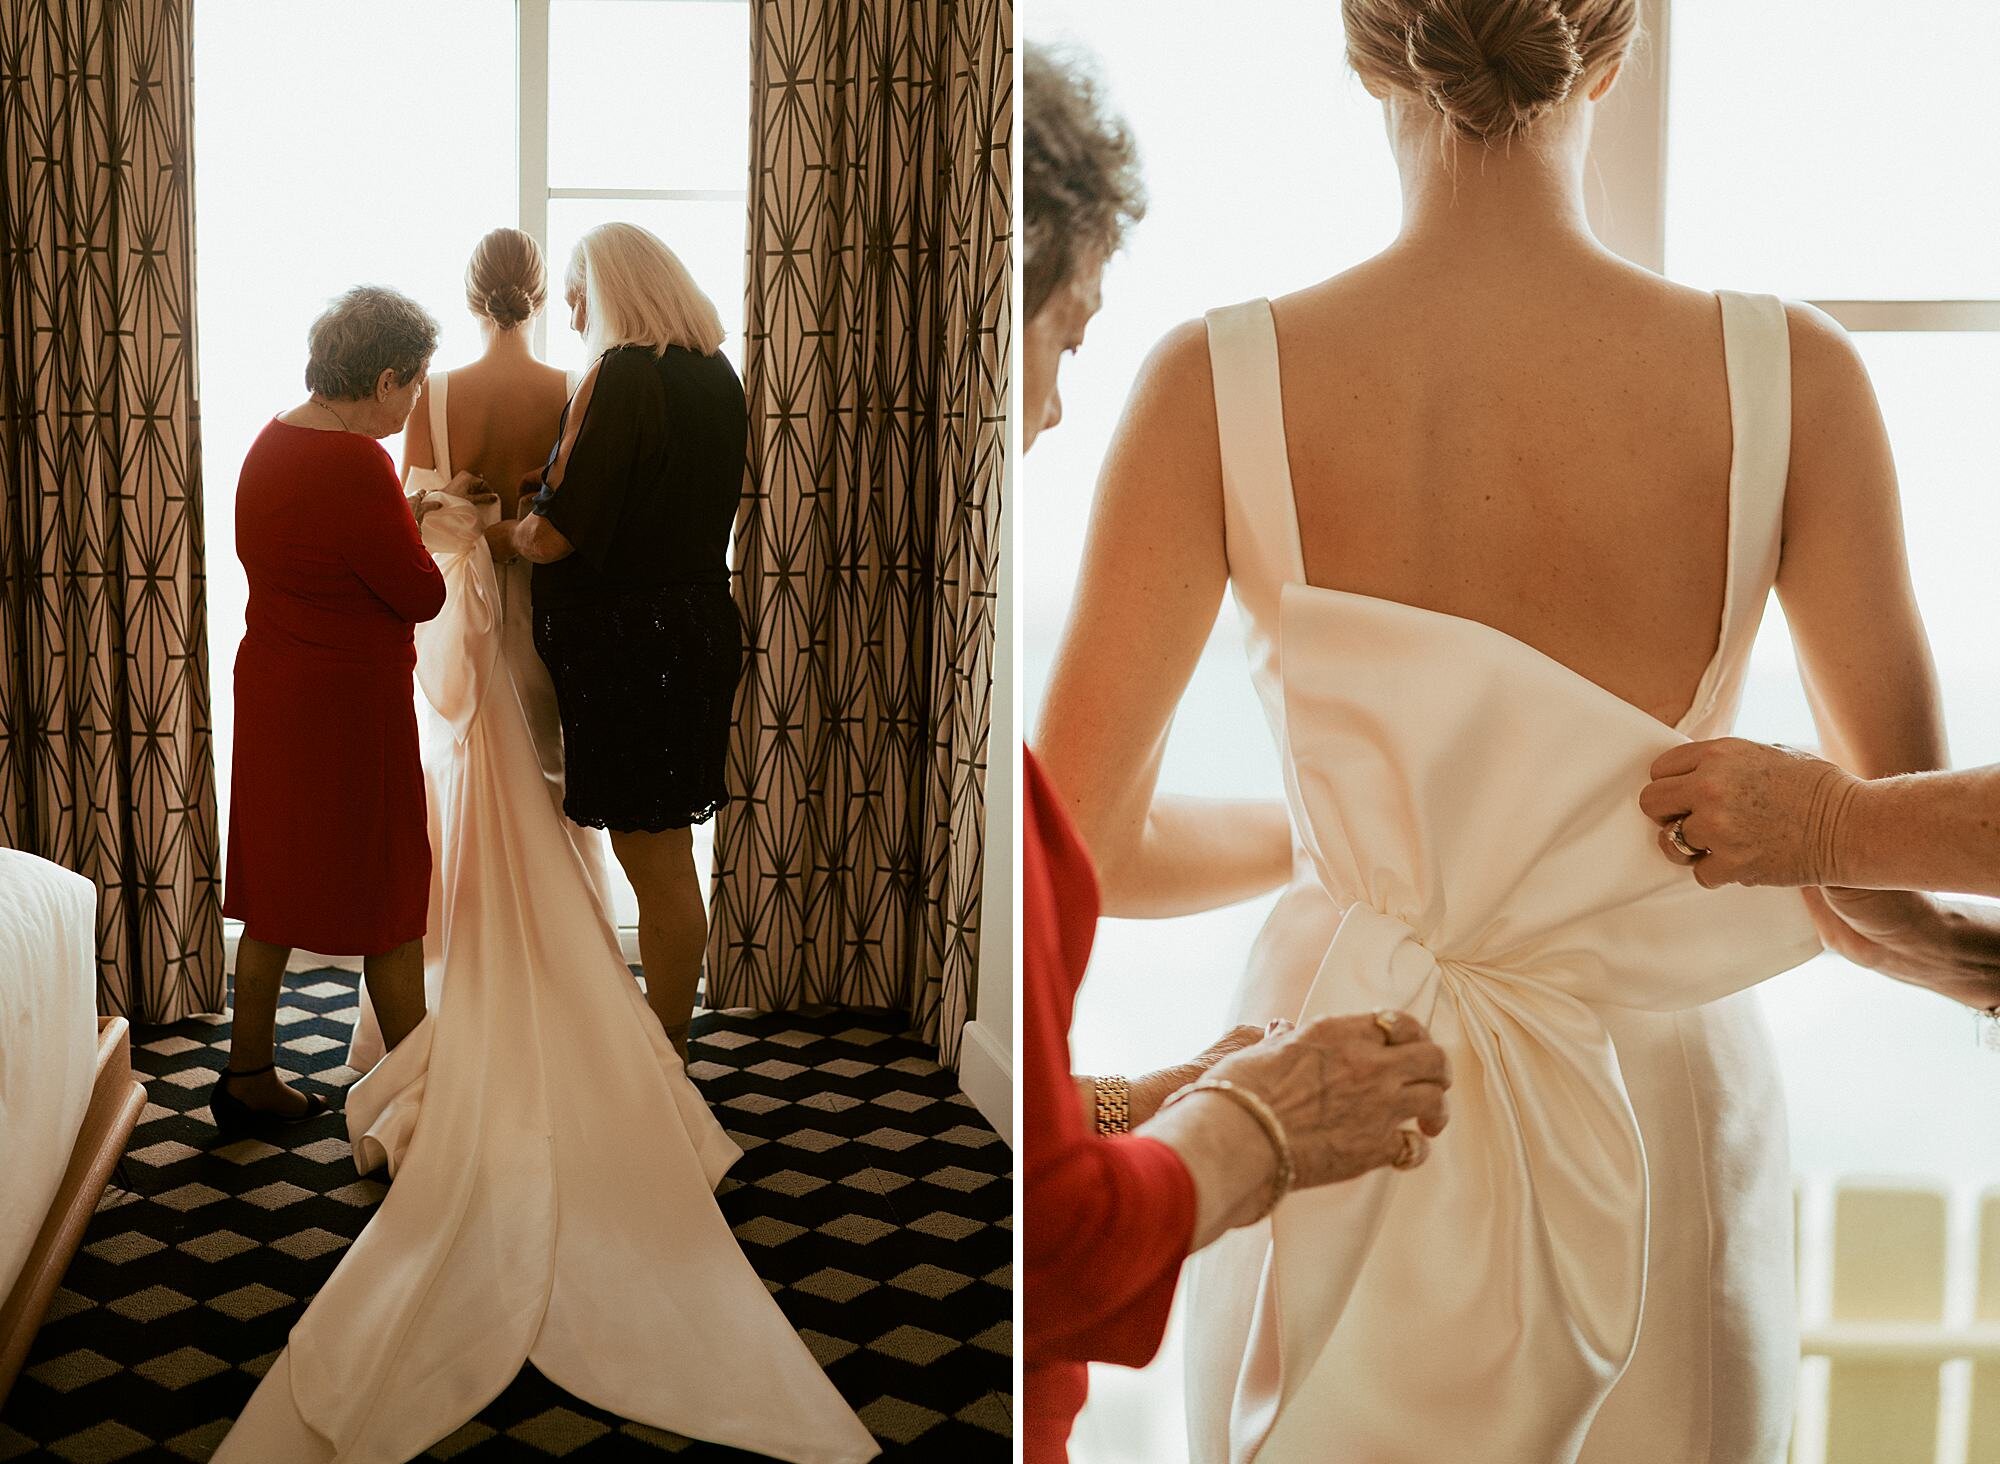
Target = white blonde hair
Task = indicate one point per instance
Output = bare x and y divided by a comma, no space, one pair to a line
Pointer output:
636,292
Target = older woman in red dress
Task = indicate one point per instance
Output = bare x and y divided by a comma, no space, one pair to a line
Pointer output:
328,841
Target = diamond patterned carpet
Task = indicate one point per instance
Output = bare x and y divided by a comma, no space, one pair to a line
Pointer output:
872,1198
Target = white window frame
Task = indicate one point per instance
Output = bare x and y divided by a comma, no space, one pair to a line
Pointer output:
1628,192
531,64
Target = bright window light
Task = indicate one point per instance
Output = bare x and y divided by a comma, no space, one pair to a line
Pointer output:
1835,151
638,97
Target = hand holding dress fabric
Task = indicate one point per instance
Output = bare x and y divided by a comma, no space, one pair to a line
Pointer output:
1749,814
1343,1089
501,541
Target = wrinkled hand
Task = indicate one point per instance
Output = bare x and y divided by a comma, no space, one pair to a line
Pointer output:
471,486
1152,1089
1904,934
1342,1088
1234,1040
500,541
1764,815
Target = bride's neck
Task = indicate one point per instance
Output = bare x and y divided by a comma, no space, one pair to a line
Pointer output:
1526,197
515,344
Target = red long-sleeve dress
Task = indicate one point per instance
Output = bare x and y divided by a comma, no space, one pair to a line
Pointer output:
329,848
1106,1222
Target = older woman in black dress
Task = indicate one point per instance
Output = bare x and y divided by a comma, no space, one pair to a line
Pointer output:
631,587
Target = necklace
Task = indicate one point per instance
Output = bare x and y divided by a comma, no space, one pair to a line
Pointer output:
328,407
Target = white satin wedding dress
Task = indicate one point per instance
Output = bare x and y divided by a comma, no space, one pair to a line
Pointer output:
1596,1261
553,1165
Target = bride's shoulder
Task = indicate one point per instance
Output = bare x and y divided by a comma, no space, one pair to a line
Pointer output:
1176,380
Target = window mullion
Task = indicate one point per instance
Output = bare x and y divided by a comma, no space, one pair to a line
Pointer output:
531,68
1914,315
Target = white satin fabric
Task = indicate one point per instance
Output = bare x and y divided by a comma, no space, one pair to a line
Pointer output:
48,1040
553,1166
1595,1263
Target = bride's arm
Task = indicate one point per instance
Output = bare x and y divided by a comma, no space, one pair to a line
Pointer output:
1844,574
1154,570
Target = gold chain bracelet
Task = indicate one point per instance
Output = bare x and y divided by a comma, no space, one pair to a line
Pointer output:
1114,1105
1267,1119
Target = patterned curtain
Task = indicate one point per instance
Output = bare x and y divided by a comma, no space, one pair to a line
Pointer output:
876,358
105,764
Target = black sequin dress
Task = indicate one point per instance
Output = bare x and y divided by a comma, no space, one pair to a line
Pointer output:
637,627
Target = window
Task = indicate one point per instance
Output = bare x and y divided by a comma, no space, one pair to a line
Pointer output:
413,131
1721,158
648,108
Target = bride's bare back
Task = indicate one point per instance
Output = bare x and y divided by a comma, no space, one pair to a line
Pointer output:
504,408
1550,457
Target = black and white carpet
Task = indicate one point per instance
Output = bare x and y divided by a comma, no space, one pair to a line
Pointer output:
873,1199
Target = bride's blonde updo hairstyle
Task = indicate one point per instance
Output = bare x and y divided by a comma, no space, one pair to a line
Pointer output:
1491,68
506,280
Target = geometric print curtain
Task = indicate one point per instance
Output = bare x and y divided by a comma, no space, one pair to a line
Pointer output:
105,761
848,866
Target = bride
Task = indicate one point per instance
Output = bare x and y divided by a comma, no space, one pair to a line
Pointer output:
553,1164
1501,513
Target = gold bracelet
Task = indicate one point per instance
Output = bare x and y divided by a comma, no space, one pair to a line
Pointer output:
1114,1105
1267,1120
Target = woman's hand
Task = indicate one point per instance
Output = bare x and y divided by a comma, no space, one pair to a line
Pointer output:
471,486
1763,815
1342,1090
500,541
1952,950
1343,1087
1150,1091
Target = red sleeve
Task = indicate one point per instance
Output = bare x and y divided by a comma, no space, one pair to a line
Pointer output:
1107,1222
384,548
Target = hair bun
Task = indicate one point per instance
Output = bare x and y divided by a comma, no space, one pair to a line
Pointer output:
509,305
1492,67
505,280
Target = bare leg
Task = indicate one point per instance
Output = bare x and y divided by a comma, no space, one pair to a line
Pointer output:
260,974
673,926
396,987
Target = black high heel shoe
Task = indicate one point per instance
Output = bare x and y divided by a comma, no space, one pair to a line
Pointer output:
234,1117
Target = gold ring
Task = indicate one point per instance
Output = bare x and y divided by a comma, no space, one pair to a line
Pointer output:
1416,1148
1677,836
1386,1018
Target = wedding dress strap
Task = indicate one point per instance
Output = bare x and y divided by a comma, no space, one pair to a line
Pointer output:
1757,357
434,392
1262,520
1758,350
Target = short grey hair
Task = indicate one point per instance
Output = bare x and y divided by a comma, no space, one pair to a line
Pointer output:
365,332
1080,171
